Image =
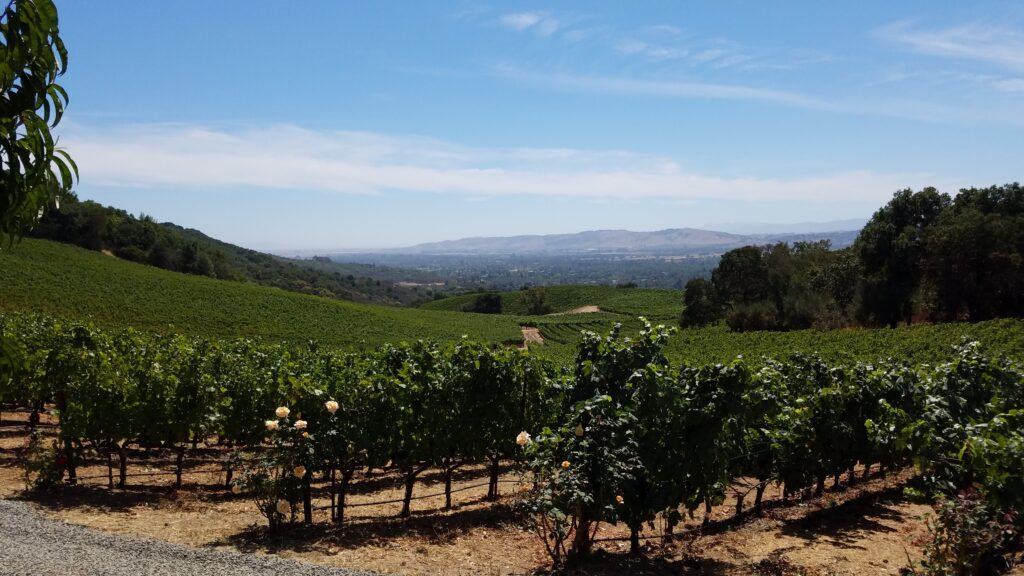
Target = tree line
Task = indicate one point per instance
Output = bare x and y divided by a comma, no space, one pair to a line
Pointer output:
924,256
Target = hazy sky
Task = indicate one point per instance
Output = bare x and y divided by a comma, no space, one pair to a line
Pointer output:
371,124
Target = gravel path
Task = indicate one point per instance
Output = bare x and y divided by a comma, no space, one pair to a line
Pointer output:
33,545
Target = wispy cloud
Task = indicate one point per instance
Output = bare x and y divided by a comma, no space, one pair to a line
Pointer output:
946,78
976,41
712,53
657,43
288,157
667,88
1009,85
540,22
580,34
650,51
665,29
884,107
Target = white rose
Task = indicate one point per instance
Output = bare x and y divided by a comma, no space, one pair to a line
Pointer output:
282,412
331,406
271,424
523,438
300,424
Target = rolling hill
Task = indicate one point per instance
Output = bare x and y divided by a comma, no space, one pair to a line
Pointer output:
78,284
171,247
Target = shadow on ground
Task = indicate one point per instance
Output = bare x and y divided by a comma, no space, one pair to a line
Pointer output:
605,563
431,526
843,525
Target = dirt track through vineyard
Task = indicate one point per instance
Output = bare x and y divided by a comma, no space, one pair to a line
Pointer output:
581,310
531,335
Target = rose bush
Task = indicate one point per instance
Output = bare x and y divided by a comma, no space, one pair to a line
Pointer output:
277,479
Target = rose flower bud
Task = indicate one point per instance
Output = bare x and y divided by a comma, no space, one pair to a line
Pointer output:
283,508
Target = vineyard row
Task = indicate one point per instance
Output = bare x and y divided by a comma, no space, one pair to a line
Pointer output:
619,436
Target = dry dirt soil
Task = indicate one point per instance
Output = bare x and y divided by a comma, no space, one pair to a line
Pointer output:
531,335
868,528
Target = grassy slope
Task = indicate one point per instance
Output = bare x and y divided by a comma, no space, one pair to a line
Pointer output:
69,282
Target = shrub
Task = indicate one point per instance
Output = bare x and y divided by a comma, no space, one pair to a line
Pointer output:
484,304
966,538
749,317
278,478
535,301
42,463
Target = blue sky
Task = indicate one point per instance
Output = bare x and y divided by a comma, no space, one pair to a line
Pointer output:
323,125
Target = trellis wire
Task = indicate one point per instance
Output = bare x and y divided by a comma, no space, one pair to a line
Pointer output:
420,497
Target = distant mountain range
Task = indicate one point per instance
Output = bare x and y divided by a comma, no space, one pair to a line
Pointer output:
678,241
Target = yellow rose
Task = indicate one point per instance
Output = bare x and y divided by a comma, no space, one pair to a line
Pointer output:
331,406
283,508
299,471
579,430
565,464
523,438
282,412
619,500
305,434
271,425
236,489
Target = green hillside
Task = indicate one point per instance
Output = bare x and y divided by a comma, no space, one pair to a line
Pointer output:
74,283
663,305
140,239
